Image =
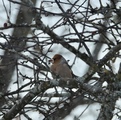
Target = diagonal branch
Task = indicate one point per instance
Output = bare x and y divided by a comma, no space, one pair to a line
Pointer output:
65,15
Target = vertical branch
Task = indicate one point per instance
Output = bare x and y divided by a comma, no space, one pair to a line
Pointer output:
17,43
103,35
107,108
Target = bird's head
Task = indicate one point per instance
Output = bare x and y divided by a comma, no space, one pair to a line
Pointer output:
57,59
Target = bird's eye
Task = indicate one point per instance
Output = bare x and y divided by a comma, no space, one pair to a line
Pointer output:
54,59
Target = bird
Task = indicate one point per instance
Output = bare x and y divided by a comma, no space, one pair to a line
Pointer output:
60,67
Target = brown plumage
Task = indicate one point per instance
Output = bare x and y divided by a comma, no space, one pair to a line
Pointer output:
59,67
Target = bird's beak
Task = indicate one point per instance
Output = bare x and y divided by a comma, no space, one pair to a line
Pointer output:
50,61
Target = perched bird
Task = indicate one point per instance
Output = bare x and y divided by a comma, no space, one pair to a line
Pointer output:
60,67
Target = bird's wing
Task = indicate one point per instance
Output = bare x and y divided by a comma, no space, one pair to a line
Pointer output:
64,71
